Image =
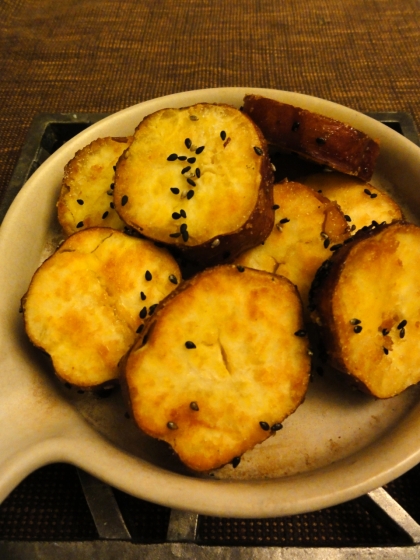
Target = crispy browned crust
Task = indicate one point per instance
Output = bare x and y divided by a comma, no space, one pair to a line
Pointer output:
208,401
221,246
314,136
358,303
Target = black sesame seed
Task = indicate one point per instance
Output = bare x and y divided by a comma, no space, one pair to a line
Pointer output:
193,118
148,275
265,426
240,268
175,190
152,308
373,195
183,213
173,279
182,158
300,332
190,182
367,191
355,321
124,200
111,205
402,332
183,228
357,329
190,194
185,236
190,345
336,247
172,425
194,406
105,214
223,135
142,296
275,207
276,427
176,234
199,150
235,462
258,151
191,160
320,141
111,186
143,313
402,324
80,201
385,332
284,220
326,243
347,218
176,215
140,328
186,169
188,143
172,157
79,225
385,350
295,126
197,173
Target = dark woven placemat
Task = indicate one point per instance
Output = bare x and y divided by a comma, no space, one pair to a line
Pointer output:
104,56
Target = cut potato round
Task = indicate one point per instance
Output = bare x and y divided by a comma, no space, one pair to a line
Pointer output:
367,305
199,179
361,202
307,227
86,196
314,136
87,301
222,362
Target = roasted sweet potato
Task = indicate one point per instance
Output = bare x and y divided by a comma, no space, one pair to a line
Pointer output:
366,303
314,136
222,362
86,196
86,303
307,227
198,179
361,202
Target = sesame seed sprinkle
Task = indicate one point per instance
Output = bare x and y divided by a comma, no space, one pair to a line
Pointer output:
235,462
183,213
402,332
188,143
173,279
190,194
198,173
240,268
223,135
276,427
191,182
124,200
357,329
143,313
402,324
300,333
176,215
142,296
148,275
386,351
190,345
275,207
258,151
79,225
182,158
172,425
199,149
80,201
194,406
172,157
175,190
152,308
105,214
355,321
265,426
176,234
191,160
186,169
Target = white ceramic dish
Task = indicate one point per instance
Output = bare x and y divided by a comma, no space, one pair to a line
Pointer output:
337,446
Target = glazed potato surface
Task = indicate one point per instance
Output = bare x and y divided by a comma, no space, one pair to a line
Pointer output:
367,305
314,136
307,226
197,178
87,301
223,361
360,201
86,197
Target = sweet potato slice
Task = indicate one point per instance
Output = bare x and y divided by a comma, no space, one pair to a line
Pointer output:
314,136
366,302
223,361
198,179
86,196
307,227
361,202
86,302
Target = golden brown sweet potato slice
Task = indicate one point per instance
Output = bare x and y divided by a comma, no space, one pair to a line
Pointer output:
86,302
367,305
314,136
361,202
198,179
223,361
86,196
307,227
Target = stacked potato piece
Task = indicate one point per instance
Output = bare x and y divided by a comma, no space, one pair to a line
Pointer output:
213,363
